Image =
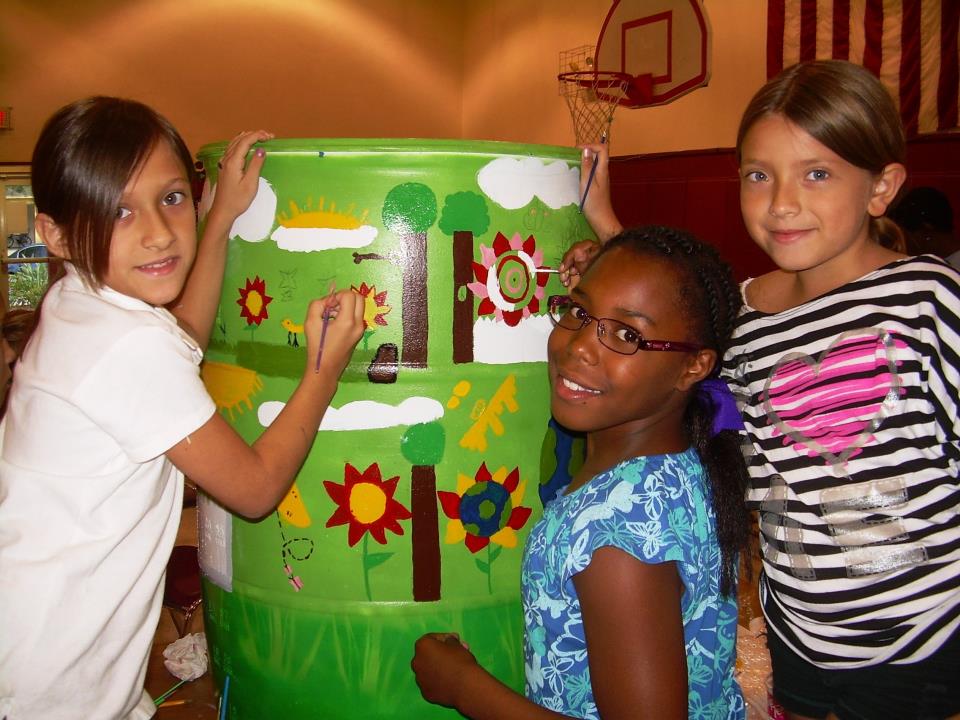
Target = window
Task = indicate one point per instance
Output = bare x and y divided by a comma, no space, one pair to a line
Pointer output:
22,283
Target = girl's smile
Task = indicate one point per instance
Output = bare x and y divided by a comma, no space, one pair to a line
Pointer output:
571,390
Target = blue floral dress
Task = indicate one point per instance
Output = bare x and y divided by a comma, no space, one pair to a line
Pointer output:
657,509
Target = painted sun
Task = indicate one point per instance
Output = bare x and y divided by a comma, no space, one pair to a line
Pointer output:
322,216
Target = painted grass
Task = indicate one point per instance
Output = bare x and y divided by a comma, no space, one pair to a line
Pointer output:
345,659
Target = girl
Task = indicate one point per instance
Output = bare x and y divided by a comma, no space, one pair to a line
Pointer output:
107,411
629,579
845,360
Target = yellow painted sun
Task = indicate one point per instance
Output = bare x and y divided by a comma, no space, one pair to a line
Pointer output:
322,216
230,386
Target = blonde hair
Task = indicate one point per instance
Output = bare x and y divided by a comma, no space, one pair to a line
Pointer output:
844,107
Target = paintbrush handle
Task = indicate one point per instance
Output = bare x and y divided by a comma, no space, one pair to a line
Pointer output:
593,171
323,336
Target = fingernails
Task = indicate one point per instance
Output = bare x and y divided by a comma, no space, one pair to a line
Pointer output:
260,152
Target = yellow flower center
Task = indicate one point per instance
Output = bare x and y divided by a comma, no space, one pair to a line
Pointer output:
254,302
367,502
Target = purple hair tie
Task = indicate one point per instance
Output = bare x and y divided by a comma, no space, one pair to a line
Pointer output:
726,414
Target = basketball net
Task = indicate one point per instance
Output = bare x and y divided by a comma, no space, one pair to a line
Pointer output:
592,95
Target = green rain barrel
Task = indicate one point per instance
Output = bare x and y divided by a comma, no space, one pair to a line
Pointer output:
411,511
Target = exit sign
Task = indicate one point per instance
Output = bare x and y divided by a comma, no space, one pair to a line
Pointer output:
6,119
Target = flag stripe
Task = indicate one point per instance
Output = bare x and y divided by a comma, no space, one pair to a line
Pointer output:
910,68
949,76
776,26
873,36
911,45
841,29
808,30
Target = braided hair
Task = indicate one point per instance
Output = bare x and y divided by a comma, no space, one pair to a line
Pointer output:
709,300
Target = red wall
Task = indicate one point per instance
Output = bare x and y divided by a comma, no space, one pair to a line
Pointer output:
699,190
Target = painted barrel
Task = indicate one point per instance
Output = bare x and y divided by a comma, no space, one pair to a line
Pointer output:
410,512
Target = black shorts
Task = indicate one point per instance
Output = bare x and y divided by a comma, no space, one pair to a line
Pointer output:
925,690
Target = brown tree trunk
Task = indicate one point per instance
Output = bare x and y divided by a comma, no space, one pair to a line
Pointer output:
462,309
425,533
415,326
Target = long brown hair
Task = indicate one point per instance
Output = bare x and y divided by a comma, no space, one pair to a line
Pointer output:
844,107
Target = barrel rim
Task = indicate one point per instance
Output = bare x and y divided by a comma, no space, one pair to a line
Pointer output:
419,146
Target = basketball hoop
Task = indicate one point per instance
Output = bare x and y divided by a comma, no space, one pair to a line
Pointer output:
592,95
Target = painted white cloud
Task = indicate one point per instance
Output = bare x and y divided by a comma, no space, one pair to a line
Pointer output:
496,343
514,182
255,223
365,414
311,239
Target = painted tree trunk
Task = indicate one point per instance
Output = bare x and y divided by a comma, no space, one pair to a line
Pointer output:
415,323
425,533
462,297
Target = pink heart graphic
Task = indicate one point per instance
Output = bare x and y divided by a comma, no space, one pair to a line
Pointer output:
831,406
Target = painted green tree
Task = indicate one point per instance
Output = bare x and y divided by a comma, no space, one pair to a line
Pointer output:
423,445
409,210
464,216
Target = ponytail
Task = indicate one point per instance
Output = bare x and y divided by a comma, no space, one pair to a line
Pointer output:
722,458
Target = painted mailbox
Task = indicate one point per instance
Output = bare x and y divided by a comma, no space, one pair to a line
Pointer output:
410,513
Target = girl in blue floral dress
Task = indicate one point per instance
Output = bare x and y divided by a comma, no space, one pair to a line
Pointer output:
629,579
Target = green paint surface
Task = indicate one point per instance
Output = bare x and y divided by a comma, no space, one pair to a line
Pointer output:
325,651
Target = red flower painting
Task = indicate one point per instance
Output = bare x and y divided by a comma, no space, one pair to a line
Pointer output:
254,300
365,502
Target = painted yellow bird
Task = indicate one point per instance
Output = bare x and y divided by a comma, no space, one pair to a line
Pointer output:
292,331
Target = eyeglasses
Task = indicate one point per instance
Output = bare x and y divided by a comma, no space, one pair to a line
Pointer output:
613,334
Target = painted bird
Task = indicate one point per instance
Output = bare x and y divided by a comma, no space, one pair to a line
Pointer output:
292,331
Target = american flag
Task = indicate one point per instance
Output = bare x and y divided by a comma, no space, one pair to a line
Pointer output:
911,45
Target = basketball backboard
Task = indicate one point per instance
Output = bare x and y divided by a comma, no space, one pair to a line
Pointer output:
664,45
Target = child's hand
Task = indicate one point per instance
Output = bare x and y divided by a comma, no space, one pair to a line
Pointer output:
575,262
237,183
344,330
598,208
439,662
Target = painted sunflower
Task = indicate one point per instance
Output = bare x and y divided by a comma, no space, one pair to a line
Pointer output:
365,502
254,300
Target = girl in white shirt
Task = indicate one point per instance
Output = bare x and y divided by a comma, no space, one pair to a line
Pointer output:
108,411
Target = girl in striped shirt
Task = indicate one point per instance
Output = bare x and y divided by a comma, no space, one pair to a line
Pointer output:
845,361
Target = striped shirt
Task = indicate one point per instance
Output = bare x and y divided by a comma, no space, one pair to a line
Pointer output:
850,401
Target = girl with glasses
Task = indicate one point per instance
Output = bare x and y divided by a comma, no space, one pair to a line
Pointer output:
629,579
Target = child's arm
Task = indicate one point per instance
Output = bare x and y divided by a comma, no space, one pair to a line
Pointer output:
448,674
598,207
638,666
598,210
252,479
196,308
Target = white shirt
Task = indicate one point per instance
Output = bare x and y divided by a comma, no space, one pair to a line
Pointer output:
89,504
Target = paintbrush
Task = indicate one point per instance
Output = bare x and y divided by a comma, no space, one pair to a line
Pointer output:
593,171
326,321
